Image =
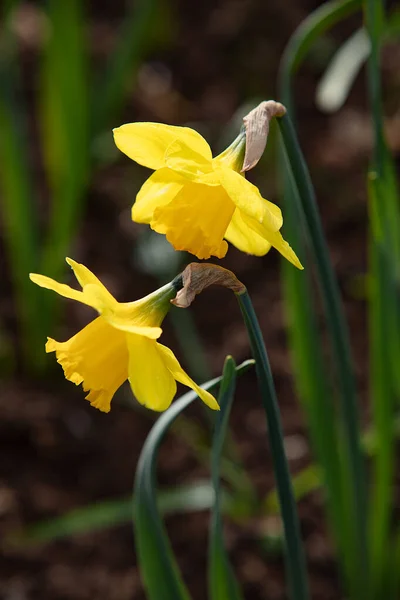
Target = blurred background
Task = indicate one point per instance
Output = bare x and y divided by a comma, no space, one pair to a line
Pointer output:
69,73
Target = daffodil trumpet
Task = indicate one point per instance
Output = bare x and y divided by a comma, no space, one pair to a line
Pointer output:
199,202
120,344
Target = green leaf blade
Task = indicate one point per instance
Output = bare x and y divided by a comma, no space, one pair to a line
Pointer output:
159,570
222,581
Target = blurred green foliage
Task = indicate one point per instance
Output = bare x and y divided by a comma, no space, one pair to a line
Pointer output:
75,110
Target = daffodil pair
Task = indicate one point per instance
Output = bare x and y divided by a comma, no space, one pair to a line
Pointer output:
199,203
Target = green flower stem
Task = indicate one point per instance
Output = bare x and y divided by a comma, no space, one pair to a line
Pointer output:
338,333
295,560
311,374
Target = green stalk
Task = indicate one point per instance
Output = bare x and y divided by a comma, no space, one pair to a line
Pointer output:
339,337
384,312
312,380
295,560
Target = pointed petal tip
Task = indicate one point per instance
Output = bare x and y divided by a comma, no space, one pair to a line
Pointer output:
213,405
71,262
38,279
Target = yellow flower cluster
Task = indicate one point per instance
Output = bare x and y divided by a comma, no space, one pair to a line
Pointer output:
199,203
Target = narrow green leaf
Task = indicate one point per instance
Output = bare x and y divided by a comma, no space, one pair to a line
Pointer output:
382,398
64,108
384,313
159,570
341,352
306,481
337,81
222,581
312,379
310,29
192,497
311,478
18,199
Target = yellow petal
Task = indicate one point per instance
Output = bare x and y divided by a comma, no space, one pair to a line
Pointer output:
86,277
146,143
248,199
97,357
94,293
59,288
179,374
273,237
244,237
276,240
150,379
124,323
158,190
187,162
196,220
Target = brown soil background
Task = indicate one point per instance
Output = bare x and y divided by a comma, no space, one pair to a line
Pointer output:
57,453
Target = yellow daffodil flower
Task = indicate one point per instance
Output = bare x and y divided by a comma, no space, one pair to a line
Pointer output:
120,344
196,200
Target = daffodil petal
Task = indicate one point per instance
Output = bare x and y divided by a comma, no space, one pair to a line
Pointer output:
146,143
276,240
97,357
86,277
244,237
158,190
189,163
248,199
272,237
59,288
151,381
92,295
179,374
120,322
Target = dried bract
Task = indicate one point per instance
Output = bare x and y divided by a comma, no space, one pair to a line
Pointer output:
257,128
198,276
